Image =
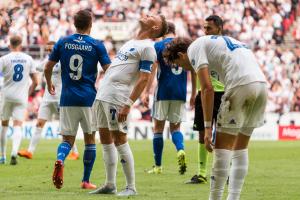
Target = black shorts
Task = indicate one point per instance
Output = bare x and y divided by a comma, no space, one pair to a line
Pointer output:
199,120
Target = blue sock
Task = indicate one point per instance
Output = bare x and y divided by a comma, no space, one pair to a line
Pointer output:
177,139
158,145
63,151
89,157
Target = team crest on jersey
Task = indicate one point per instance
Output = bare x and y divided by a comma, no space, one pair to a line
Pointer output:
122,55
193,62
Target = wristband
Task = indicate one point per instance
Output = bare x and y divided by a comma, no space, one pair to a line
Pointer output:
129,102
207,124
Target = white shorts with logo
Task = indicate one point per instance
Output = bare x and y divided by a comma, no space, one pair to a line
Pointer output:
13,109
171,110
107,116
71,116
242,109
47,110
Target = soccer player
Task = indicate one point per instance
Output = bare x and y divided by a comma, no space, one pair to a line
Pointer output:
169,104
48,108
17,68
213,26
78,55
242,108
122,84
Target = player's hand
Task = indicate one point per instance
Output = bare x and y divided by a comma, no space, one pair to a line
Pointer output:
122,116
51,89
192,101
145,100
208,140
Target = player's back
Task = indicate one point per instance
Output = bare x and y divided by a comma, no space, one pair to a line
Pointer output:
16,68
78,55
171,80
231,60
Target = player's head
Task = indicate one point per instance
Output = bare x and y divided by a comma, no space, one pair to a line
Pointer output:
15,42
171,28
213,25
155,25
49,46
176,52
83,21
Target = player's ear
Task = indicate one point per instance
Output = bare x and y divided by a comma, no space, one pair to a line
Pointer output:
180,55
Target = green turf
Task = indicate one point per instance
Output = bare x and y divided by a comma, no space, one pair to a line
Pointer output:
274,174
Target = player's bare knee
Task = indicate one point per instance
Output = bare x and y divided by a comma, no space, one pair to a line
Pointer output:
174,127
120,138
105,136
225,141
159,126
5,123
40,123
69,139
89,138
17,123
201,137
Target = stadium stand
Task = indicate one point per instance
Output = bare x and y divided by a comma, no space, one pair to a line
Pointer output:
270,27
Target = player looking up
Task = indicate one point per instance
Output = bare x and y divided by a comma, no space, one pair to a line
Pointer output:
123,83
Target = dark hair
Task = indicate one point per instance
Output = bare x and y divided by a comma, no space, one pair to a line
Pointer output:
216,19
15,40
179,44
171,28
164,26
83,19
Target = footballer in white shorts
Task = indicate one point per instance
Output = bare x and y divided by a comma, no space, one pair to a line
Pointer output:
242,109
107,116
171,110
13,109
47,110
71,116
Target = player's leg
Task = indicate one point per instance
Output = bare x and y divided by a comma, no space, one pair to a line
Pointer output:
110,154
158,145
176,115
255,117
159,115
18,117
127,161
34,140
3,140
89,155
69,122
6,111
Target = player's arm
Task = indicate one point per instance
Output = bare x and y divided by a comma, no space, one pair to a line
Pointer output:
145,96
48,74
207,97
194,89
35,82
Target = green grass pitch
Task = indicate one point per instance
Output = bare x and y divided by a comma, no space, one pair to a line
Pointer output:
274,174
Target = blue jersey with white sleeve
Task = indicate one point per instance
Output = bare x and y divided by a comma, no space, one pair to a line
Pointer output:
172,82
79,55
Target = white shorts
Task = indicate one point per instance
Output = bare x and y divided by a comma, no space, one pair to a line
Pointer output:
70,117
13,109
171,110
47,110
242,109
107,116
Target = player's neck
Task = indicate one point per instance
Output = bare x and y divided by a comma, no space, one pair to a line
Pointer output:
142,35
81,32
169,35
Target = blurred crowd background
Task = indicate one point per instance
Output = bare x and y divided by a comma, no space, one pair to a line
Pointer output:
270,27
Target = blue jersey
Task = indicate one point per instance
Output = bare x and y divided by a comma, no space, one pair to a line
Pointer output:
171,81
79,55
